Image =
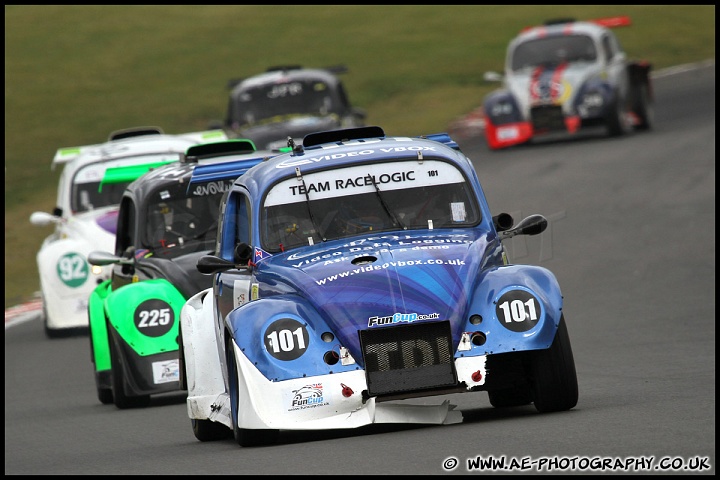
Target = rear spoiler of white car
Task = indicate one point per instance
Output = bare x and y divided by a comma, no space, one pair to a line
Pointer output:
67,154
609,22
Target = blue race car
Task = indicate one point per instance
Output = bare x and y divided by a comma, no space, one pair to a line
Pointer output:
359,270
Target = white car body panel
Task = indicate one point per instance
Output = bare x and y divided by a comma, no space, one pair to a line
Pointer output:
65,276
260,399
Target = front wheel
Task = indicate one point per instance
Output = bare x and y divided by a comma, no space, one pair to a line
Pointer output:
245,437
644,108
515,396
104,393
208,431
49,332
121,399
553,377
618,121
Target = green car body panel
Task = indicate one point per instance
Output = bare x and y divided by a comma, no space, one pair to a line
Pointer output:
129,311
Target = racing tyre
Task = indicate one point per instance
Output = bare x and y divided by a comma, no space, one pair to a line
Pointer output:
618,122
644,108
208,431
181,360
118,390
553,378
49,332
104,394
510,397
245,437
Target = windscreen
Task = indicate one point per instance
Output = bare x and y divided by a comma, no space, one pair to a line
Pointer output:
86,194
550,51
372,198
180,222
297,97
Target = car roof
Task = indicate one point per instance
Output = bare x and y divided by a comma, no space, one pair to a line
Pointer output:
352,151
220,167
287,74
76,157
592,28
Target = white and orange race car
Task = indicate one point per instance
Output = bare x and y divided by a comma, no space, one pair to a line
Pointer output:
565,76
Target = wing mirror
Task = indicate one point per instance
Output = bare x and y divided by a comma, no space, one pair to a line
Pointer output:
531,225
102,259
492,77
209,264
42,219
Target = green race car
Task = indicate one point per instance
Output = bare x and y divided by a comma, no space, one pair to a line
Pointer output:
167,220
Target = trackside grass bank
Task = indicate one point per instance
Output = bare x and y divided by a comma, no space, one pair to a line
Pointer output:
75,73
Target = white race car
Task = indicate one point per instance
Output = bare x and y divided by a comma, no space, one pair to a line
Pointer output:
566,76
85,216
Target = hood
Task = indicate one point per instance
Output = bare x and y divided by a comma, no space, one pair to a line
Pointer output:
295,126
180,271
97,226
558,84
382,281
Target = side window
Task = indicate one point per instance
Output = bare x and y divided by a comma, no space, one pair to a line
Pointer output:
243,220
125,226
344,100
611,46
235,226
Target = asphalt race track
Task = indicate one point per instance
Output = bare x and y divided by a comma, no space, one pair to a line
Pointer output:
632,243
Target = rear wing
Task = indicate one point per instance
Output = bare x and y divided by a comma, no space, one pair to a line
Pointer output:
443,138
334,69
609,22
222,171
68,154
134,132
128,173
216,135
205,151
338,136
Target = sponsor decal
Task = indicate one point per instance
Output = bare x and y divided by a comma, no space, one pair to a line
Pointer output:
240,291
376,246
294,162
308,396
166,371
508,133
211,188
364,178
400,318
350,182
458,262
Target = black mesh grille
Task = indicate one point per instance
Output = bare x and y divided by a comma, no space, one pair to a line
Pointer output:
547,117
408,358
